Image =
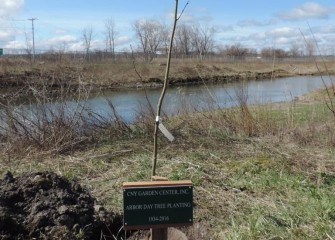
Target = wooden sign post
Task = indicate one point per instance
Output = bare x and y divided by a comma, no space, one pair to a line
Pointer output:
157,205
159,233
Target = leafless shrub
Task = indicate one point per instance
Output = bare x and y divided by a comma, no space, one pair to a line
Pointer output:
247,123
301,136
111,125
242,120
56,125
144,117
42,124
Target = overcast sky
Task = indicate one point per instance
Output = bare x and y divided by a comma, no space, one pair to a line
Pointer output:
252,23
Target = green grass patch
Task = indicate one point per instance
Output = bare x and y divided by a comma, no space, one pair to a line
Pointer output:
277,203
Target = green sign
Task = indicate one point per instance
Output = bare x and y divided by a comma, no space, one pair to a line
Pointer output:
1,51
158,206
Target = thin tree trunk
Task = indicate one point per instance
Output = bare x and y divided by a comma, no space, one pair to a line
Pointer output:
160,101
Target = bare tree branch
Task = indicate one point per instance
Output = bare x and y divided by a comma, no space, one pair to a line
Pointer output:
182,12
134,64
330,104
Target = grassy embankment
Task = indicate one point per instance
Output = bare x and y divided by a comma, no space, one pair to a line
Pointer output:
260,172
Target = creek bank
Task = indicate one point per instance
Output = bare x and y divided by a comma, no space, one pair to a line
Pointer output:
196,80
71,78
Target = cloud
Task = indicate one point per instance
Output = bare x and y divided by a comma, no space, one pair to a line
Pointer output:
256,23
277,34
195,16
325,29
60,31
77,46
283,32
284,41
122,40
330,39
281,37
194,19
15,45
306,11
10,7
73,43
5,35
62,40
260,36
223,28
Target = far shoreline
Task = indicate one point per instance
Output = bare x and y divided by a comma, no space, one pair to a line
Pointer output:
16,77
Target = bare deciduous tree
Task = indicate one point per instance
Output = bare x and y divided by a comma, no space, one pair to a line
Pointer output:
59,52
183,40
274,52
111,35
29,48
310,47
149,35
267,52
87,36
203,39
165,38
295,50
237,50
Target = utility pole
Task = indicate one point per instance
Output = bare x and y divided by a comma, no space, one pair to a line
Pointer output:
33,33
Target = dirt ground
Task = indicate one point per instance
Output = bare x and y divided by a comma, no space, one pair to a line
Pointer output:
43,205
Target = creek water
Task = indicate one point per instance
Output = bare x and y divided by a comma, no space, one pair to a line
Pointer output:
128,103
200,97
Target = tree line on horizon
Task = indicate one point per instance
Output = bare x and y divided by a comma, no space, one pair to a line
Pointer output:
152,39
191,40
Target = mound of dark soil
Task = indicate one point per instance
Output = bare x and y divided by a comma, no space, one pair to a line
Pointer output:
44,205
